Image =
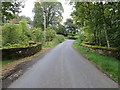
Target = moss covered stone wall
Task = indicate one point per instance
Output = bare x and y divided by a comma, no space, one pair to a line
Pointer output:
114,52
13,53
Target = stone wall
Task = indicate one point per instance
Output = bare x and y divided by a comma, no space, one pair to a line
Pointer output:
113,53
14,53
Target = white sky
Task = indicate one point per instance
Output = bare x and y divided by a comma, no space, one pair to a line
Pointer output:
29,5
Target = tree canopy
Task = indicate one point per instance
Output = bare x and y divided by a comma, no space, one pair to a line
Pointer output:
70,27
99,22
10,10
51,11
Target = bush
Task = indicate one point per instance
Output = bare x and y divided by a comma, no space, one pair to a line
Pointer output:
25,31
10,34
73,37
80,37
59,38
37,35
16,34
50,34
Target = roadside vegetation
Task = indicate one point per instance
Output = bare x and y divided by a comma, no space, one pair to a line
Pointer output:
107,64
16,32
95,23
98,28
7,62
17,36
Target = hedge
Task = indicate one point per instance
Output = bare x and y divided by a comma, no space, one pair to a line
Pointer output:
21,52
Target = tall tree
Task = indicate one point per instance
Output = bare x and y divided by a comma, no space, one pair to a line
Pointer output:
51,11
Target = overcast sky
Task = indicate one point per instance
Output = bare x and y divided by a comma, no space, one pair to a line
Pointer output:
29,5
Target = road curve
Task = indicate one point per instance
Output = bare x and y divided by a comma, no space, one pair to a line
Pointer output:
63,67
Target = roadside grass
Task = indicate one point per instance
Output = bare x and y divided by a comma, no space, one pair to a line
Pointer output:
7,62
50,45
107,64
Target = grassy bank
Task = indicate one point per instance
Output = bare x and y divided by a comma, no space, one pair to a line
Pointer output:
105,63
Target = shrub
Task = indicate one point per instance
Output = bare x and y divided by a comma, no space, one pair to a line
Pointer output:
10,34
16,34
73,37
37,35
50,34
80,37
59,38
25,30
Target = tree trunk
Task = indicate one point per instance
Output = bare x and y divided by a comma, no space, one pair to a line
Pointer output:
44,15
105,22
107,40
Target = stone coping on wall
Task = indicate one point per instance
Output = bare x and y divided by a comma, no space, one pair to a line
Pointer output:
113,52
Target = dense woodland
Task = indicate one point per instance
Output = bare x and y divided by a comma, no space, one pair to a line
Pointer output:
98,23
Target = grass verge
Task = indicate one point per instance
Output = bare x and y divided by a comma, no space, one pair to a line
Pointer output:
50,45
107,64
7,62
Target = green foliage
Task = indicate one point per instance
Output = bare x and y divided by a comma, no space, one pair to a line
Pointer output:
15,34
4,62
38,35
61,30
9,9
80,37
107,64
25,31
0,36
38,17
70,27
59,39
50,34
10,34
28,19
99,22
72,37
52,12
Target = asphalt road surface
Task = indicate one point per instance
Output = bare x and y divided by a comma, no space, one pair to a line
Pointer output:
63,67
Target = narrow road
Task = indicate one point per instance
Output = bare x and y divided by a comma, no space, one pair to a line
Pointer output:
63,67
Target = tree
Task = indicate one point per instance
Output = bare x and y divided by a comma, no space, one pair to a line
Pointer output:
70,26
38,17
61,30
28,19
52,11
98,20
10,10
